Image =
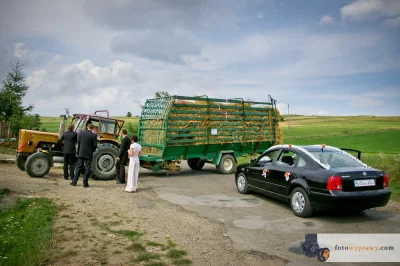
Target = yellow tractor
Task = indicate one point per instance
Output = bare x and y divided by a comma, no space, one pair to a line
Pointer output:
35,153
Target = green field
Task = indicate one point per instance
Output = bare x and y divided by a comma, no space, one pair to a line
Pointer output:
368,134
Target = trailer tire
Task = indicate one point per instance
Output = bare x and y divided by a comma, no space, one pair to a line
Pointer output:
103,163
196,163
37,164
20,161
227,164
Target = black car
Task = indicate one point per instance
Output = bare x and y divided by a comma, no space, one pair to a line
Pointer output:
313,178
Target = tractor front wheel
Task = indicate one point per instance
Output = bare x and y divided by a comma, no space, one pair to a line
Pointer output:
37,164
20,161
103,163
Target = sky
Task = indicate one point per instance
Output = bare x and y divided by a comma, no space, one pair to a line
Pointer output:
314,57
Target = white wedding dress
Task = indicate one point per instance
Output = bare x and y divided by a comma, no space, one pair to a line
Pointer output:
133,170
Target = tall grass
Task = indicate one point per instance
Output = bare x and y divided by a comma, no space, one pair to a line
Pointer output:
25,231
390,164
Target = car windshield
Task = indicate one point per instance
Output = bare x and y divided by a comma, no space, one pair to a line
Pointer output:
337,159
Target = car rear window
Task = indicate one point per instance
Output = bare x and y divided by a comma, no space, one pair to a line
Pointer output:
336,159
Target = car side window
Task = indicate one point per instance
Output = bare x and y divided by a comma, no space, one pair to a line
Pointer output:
287,158
301,163
267,157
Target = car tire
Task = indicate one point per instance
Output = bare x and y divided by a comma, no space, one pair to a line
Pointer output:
37,164
196,163
300,203
241,184
103,163
20,161
227,164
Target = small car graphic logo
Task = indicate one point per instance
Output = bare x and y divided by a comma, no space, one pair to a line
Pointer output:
364,173
287,175
264,173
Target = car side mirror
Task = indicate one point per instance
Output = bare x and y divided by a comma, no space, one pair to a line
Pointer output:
252,160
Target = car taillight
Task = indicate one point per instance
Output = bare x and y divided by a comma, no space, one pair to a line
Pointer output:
334,183
385,180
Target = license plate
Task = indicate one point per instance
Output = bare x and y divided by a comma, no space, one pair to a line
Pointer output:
364,183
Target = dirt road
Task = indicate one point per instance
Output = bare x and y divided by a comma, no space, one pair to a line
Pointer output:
199,211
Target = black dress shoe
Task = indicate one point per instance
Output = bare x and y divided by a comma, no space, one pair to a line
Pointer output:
73,184
86,185
119,182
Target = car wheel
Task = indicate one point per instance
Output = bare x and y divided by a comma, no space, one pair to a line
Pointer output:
37,164
300,203
241,184
227,164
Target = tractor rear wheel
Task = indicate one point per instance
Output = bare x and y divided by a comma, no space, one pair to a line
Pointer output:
20,161
196,163
37,164
103,163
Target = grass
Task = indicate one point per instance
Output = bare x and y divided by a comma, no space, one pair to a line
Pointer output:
136,247
25,232
6,150
3,192
175,253
146,256
182,262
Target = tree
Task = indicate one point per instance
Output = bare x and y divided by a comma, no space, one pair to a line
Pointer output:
159,94
12,93
129,114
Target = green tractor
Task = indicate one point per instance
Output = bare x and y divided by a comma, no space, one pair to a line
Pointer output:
35,153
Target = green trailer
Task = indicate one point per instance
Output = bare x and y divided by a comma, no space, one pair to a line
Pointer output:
204,130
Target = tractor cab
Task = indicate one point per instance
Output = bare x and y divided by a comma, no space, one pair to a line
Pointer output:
105,127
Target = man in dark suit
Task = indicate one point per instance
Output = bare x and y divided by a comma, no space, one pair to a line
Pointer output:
122,158
87,144
70,137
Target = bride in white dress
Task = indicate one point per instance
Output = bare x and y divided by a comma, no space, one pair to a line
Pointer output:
135,151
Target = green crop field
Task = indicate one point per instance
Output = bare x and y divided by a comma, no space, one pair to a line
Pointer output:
368,134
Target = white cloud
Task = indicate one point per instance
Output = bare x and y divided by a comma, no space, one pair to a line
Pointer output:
326,20
20,50
36,79
361,10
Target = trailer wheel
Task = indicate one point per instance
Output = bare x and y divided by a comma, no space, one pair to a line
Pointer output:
37,164
103,163
20,161
227,164
196,163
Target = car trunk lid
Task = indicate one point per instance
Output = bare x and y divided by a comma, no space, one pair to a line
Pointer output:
360,179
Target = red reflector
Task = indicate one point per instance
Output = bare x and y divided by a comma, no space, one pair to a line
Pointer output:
22,146
334,183
385,180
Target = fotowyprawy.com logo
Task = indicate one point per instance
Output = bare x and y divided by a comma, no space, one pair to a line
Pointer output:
352,247
311,248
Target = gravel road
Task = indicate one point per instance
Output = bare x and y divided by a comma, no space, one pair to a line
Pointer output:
199,210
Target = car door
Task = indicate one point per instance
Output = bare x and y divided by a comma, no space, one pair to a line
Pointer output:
283,171
258,172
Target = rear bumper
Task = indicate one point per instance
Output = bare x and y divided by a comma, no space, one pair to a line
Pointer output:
339,200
